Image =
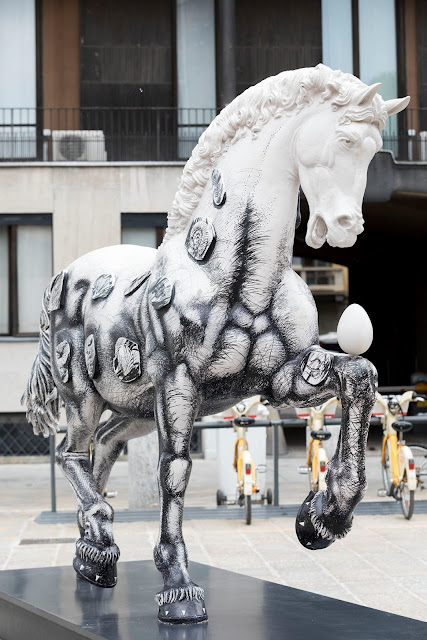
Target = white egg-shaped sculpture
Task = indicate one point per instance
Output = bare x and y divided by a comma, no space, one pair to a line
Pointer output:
355,330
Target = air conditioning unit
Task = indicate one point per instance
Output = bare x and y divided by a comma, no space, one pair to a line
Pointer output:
423,146
78,146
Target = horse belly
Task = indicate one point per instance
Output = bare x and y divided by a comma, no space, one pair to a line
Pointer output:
121,370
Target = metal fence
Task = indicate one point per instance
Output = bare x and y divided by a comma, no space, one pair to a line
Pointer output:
101,134
17,438
406,135
148,134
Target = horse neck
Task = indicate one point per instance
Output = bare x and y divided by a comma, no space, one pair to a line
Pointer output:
265,186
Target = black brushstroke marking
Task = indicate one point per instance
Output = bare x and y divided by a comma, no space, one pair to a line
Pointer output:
298,216
136,283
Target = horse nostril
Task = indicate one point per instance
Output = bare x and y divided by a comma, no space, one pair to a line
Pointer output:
345,221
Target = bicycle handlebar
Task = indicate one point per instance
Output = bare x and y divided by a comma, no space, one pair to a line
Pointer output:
326,404
408,396
255,401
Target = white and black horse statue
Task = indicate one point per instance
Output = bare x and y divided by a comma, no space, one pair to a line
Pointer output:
214,315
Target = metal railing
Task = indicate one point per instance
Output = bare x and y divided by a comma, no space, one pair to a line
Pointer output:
223,424
18,439
228,424
406,135
96,134
99,134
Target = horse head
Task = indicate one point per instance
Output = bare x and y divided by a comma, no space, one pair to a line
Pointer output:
333,149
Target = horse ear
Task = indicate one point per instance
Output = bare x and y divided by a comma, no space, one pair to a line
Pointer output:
369,93
397,105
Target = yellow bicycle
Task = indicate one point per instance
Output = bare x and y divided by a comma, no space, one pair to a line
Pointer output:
402,465
317,459
243,462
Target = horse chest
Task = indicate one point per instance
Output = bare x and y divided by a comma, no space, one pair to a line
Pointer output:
249,344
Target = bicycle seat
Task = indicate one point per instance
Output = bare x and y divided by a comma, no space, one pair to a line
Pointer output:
321,434
243,421
402,425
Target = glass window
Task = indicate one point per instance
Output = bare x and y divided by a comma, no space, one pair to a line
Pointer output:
143,236
25,272
337,35
4,280
34,267
377,54
18,53
195,43
17,78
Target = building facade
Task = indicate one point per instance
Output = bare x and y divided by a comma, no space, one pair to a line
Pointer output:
102,103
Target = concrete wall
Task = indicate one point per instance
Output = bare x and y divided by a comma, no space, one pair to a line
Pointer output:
16,358
86,202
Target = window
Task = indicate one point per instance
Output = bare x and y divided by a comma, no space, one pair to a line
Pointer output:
25,271
143,229
143,237
195,58
337,35
378,59
4,281
18,79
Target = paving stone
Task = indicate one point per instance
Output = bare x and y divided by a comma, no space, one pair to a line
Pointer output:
382,562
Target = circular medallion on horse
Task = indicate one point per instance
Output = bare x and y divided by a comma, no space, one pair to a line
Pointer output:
216,314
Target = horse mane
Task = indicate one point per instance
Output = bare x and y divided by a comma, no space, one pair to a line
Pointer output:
283,94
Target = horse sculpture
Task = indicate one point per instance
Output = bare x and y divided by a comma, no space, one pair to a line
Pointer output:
214,315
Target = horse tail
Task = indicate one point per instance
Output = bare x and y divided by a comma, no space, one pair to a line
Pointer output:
41,395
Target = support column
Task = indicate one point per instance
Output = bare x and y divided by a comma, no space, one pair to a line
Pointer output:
143,456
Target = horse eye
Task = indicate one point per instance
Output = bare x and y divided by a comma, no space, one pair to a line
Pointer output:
346,142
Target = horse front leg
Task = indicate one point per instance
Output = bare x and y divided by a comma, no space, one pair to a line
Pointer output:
307,381
181,601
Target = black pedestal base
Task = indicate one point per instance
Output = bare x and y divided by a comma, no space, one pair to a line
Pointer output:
36,604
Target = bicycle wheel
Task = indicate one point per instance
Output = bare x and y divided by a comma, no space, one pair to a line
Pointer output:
407,500
248,509
387,483
419,453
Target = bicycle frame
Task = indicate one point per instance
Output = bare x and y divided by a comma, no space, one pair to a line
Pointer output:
317,459
243,463
400,455
246,478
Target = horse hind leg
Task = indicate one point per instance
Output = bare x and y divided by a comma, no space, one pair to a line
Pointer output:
109,441
96,553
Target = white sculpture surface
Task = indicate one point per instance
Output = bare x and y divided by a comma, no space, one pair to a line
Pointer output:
216,314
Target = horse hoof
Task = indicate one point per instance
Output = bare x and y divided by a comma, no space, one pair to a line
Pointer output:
183,612
305,530
96,569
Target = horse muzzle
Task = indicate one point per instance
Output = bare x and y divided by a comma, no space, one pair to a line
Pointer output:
339,232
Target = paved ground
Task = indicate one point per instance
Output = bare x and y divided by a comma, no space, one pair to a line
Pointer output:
382,563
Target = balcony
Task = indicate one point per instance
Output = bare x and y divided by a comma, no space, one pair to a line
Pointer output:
131,134
101,134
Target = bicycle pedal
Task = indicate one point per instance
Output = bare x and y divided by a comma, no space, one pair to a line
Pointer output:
382,493
110,494
304,470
